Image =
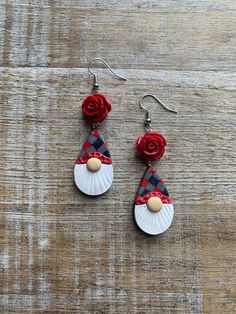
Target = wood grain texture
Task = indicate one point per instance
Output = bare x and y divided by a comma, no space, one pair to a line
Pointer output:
64,252
164,36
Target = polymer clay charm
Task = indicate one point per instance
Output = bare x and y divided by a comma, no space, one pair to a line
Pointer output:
93,171
153,208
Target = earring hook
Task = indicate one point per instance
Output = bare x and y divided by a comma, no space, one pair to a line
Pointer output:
96,84
148,113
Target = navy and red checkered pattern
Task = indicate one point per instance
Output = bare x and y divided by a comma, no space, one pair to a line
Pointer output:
94,146
152,185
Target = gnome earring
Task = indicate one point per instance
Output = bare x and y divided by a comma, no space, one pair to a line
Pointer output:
153,209
93,172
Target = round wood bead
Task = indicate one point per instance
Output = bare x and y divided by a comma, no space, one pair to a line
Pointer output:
154,204
94,164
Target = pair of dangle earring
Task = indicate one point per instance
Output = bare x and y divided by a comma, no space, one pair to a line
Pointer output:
93,171
153,208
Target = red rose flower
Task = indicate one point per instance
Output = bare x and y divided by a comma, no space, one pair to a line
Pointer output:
96,107
151,145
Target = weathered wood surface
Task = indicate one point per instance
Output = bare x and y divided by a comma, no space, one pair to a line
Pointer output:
63,252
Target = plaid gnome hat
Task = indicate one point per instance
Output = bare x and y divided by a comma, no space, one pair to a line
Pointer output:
94,146
152,185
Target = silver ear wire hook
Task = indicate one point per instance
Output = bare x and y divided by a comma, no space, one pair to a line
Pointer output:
148,119
96,84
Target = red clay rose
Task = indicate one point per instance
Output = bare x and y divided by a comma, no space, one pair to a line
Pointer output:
96,108
151,145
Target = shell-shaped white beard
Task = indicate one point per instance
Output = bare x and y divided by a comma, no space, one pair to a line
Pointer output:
93,183
154,223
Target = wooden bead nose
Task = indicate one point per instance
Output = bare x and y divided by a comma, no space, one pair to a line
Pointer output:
94,164
154,204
